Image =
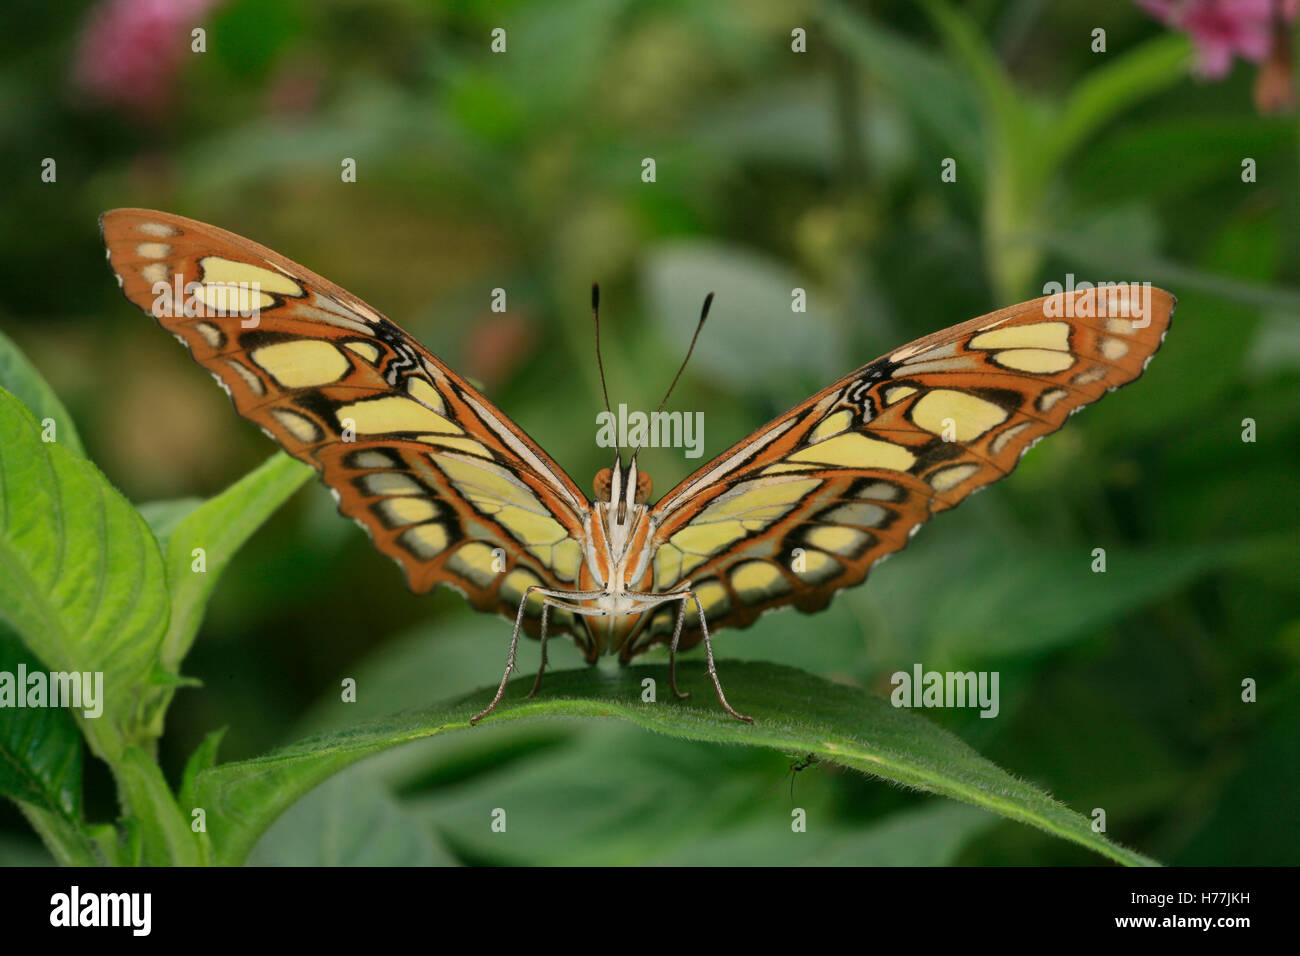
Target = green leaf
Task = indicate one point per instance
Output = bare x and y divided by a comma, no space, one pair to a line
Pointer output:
164,516
435,660
930,835
615,796
81,579
1115,86
795,713
40,768
164,830
20,377
67,841
203,758
351,820
219,526
623,797
40,747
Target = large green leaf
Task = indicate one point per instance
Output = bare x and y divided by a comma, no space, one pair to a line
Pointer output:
351,820
40,765
623,797
795,713
40,748
81,578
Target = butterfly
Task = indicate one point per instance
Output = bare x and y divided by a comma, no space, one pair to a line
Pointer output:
445,483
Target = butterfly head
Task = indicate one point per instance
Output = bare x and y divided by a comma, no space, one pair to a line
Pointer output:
621,488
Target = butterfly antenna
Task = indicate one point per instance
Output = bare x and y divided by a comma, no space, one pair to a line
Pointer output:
704,314
595,318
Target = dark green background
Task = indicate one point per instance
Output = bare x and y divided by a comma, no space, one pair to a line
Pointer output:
774,170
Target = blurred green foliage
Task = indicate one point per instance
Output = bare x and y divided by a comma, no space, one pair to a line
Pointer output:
774,169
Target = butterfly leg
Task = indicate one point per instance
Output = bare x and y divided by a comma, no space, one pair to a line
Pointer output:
546,607
510,660
713,671
672,650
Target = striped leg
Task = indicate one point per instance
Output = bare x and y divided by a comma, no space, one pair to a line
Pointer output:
713,672
514,640
672,649
546,607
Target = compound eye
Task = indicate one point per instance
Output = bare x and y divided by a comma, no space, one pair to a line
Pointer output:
603,483
644,487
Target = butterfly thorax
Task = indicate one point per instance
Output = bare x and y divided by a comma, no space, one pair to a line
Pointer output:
619,540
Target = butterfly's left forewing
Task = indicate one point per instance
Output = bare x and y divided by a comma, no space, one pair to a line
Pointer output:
441,480
806,505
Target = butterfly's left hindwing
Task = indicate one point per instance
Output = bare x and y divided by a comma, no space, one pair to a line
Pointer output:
806,505
441,480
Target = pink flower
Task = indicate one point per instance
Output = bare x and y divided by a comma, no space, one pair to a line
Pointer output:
131,50
1222,29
